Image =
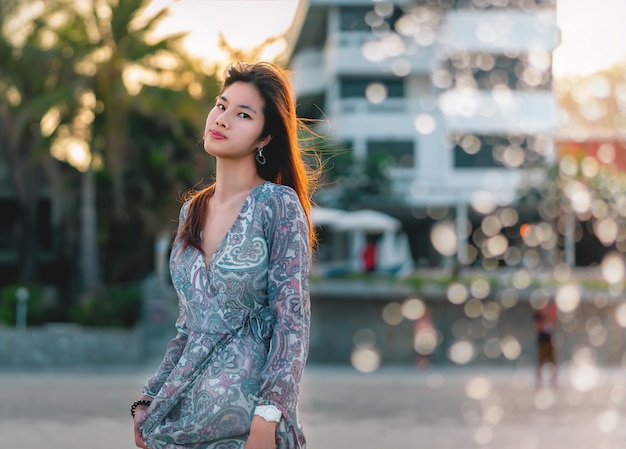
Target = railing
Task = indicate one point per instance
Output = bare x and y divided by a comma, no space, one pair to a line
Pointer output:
363,106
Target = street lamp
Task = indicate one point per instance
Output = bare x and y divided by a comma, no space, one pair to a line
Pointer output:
21,307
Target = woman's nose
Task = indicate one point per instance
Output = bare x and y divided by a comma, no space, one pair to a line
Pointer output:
221,121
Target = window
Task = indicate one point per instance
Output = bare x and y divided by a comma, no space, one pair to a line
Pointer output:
353,18
400,153
354,87
490,151
514,5
365,18
8,222
310,106
486,71
337,159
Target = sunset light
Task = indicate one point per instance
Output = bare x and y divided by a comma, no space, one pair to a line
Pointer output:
590,29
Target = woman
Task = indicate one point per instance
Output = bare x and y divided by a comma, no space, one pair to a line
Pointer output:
230,379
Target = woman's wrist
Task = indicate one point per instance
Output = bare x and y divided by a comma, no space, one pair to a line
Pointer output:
260,426
140,403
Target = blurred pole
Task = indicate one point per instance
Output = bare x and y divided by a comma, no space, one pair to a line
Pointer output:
89,241
461,220
21,307
161,245
570,238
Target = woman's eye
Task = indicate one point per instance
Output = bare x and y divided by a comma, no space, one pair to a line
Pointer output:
220,106
243,115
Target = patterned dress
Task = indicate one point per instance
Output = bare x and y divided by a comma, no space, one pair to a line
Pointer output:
243,331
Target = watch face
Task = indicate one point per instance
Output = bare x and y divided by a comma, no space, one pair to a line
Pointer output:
269,413
273,414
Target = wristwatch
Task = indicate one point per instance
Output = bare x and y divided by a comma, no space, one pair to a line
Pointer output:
268,412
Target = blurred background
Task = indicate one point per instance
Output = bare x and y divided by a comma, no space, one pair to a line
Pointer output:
472,155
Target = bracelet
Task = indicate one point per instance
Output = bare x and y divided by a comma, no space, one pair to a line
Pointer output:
136,403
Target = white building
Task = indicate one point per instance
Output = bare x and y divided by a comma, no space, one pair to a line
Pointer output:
456,93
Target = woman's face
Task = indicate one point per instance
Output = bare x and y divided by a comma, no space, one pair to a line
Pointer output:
233,127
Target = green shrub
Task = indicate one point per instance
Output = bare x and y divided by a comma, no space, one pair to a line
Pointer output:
36,308
115,306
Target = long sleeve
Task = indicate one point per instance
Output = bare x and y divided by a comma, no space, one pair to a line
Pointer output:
288,295
177,344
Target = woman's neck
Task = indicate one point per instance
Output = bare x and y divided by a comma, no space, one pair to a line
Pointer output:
234,179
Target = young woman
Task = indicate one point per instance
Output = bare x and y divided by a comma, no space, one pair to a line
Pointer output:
230,379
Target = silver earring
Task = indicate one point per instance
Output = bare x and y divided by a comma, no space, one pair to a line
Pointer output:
260,158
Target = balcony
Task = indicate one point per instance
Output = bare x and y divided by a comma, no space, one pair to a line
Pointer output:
438,186
497,31
392,117
505,111
345,52
308,72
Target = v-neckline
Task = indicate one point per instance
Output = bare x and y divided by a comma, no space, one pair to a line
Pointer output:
209,262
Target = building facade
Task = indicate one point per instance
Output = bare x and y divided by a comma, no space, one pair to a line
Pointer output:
456,95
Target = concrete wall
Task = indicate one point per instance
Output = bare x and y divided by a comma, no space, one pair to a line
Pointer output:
340,309
67,345
590,334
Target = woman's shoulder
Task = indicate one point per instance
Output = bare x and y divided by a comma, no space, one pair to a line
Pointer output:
278,200
278,191
184,208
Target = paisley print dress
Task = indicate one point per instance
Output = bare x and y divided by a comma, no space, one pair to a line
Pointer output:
242,331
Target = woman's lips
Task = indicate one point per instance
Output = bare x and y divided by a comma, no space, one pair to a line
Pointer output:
216,135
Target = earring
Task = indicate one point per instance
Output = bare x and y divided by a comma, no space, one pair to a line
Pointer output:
260,158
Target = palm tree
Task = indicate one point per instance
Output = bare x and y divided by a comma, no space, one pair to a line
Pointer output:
32,81
88,101
122,52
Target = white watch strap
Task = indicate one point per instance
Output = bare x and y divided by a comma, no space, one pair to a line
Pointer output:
269,413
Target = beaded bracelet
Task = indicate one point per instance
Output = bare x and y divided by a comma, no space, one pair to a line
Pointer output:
136,403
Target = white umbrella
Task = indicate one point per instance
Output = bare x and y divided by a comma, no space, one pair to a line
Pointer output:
366,220
324,216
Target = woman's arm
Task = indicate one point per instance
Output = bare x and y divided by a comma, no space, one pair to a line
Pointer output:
177,344
288,295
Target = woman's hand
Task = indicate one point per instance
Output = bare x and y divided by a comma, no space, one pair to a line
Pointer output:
262,434
141,412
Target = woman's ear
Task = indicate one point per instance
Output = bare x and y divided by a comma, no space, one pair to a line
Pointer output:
265,141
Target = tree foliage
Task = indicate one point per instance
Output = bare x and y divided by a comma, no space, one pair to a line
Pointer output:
86,89
594,101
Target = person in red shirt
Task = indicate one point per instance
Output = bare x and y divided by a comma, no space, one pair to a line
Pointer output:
369,255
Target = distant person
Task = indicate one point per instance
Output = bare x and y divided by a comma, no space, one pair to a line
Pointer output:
424,339
369,254
545,324
230,379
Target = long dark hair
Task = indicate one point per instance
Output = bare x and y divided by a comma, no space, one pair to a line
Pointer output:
285,164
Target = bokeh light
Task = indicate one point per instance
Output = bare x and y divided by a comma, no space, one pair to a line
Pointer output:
544,399
480,288
413,308
478,388
425,341
511,347
425,124
567,297
584,374
393,314
376,92
457,293
620,314
612,268
608,421
365,360
461,352
473,308
444,239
